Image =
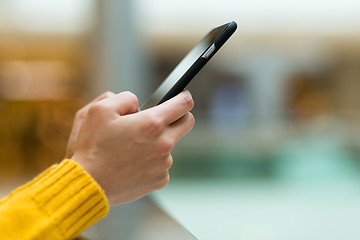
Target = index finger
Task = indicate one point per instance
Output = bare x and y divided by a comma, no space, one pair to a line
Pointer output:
174,108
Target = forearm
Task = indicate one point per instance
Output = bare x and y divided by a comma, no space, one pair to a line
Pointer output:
58,204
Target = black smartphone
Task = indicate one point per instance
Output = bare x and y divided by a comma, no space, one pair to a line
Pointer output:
191,64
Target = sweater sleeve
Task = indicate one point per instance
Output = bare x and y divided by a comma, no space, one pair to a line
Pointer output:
58,204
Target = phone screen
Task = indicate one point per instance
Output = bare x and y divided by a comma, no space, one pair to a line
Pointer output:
191,64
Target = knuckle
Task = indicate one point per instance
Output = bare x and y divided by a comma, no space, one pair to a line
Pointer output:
167,144
155,125
132,97
168,162
163,181
98,108
107,94
80,114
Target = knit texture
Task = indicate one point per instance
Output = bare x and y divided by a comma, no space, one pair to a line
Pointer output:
58,204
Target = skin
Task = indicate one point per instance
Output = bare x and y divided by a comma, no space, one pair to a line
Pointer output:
125,150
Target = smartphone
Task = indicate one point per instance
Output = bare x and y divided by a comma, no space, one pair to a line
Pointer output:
191,64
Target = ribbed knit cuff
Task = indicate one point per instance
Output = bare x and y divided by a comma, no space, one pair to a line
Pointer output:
70,197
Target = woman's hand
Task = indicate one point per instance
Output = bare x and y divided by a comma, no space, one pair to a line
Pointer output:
127,151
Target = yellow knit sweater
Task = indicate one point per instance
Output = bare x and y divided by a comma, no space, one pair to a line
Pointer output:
58,204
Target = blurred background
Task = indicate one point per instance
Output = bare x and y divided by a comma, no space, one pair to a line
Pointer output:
275,150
